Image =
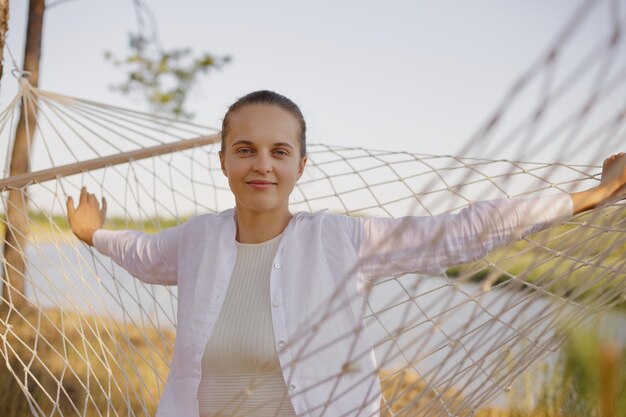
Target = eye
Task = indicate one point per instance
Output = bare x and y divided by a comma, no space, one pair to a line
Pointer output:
281,152
243,151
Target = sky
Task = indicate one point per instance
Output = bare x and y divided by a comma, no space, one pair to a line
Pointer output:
419,76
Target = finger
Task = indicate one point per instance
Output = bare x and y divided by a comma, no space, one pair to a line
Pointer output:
84,195
70,207
93,200
103,210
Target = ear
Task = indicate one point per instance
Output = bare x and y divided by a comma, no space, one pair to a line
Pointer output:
301,166
222,164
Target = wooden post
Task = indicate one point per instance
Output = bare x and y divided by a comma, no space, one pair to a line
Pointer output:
17,204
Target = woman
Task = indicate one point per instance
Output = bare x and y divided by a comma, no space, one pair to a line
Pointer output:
270,303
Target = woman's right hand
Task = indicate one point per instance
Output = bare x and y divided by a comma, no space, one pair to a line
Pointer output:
87,217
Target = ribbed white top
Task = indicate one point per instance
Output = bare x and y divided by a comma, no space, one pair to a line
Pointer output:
241,374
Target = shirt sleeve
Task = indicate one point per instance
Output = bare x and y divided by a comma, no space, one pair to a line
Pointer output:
152,258
429,245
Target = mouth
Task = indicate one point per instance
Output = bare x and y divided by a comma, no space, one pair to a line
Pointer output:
260,184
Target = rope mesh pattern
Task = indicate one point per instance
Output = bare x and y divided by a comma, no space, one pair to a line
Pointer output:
93,341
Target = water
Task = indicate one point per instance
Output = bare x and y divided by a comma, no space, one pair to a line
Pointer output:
80,279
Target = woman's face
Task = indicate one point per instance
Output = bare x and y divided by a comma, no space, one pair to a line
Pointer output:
261,157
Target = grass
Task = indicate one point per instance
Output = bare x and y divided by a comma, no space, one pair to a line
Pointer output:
587,380
79,365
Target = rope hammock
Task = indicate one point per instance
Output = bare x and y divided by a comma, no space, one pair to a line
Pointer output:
94,341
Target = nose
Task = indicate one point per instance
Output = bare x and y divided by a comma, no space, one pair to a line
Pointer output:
262,163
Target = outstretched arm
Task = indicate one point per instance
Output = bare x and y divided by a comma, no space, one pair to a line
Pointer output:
612,186
150,257
431,244
87,217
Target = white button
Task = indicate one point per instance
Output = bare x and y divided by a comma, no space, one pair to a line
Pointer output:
277,265
281,344
292,387
276,303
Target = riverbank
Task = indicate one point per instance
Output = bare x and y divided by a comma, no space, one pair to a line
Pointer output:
580,260
55,229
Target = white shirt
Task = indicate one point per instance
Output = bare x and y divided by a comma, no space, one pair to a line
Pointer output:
319,278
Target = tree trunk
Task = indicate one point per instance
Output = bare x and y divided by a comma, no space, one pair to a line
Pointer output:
17,207
4,26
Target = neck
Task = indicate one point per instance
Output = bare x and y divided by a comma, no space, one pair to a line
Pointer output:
257,227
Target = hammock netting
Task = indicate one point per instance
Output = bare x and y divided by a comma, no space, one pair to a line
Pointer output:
93,341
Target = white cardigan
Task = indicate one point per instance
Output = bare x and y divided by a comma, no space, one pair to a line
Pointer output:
322,266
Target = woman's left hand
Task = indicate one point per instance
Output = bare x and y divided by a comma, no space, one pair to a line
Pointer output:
614,177
612,185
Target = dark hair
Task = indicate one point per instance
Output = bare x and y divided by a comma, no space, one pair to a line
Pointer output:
267,97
